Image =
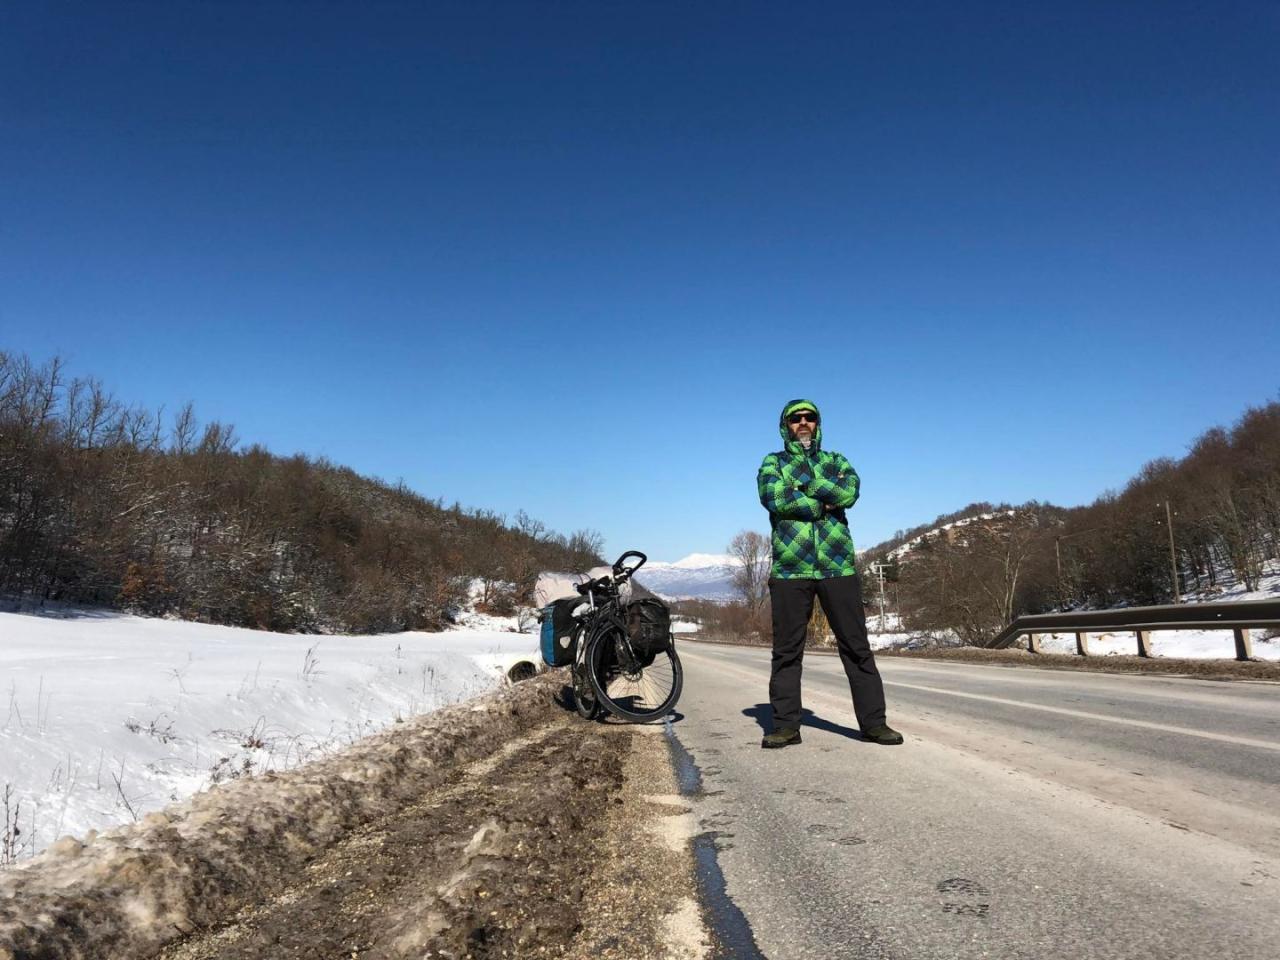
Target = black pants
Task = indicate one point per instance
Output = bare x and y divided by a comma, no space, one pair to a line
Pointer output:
841,599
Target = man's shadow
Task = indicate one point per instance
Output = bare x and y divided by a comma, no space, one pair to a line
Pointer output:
762,714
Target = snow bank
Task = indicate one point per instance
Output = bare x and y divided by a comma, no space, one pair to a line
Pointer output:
105,717
129,891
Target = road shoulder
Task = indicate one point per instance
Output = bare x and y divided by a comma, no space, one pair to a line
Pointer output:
642,902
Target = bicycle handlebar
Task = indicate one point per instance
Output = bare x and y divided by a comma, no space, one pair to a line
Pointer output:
621,574
619,569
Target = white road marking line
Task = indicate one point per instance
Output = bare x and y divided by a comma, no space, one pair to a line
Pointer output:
1086,715
1061,711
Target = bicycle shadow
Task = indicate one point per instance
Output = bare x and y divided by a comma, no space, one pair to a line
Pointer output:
762,714
564,699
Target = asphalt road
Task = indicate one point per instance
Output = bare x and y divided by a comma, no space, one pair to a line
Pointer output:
1031,813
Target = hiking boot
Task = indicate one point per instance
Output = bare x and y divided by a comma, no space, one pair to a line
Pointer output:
883,734
783,737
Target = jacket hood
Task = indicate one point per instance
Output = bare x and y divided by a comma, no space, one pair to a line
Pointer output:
794,446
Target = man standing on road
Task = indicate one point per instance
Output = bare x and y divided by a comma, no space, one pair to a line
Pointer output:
806,490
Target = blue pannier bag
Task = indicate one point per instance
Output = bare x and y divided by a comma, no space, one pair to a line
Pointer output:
557,632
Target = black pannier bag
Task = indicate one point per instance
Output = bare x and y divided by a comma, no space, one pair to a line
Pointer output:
557,631
648,629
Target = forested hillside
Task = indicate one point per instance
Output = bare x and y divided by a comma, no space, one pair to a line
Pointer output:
109,504
1223,499
905,537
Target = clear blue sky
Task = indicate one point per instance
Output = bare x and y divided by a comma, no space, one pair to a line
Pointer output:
573,257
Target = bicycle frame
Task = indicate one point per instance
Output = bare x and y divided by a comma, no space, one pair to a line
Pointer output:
600,619
606,615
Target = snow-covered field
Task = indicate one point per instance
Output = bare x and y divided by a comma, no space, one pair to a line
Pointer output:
1177,644
1229,588
1183,644
105,717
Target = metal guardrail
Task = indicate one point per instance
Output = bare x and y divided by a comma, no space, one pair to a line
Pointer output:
1238,616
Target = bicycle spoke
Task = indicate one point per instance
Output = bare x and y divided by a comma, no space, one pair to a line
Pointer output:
646,694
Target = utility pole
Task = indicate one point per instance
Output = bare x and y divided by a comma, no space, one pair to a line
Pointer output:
1173,555
880,577
878,569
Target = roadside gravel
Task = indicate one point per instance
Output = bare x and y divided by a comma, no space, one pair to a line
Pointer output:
642,903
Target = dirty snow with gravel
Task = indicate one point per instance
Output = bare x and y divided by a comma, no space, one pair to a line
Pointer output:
258,840
106,716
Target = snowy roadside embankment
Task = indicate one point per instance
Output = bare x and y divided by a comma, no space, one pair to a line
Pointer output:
1165,644
105,717
128,891
1186,644
886,632
1174,644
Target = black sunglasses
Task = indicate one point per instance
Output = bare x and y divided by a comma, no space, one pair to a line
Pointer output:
804,416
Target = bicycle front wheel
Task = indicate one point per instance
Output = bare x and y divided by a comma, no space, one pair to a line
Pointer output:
584,692
629,690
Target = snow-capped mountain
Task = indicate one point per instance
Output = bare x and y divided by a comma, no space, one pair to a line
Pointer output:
699,576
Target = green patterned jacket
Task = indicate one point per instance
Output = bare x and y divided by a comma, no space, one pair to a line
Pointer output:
806,494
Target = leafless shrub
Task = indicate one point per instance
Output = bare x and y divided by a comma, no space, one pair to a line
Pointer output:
228,768
311,663
256,739
15,712
11,832
121,795
43,704
245,686
180,673
253,739
526,617
159,728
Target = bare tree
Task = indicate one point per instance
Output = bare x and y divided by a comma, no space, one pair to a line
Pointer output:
752,556
584,548
971,580
184,429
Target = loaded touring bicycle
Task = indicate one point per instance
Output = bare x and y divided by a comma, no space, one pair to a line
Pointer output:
622,654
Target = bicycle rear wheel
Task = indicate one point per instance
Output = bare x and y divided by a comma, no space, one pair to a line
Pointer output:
627,689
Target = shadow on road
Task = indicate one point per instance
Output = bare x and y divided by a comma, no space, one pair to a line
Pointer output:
762,713
564,699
